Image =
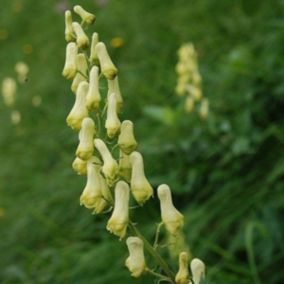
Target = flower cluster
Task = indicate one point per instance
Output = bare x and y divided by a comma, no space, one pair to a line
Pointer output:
107,150
189,80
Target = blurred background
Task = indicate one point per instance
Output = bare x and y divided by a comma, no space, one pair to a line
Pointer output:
226,171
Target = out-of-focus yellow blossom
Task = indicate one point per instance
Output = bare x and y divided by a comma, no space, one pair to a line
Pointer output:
9,89
136,260
15,117
36,101
28,48
22,70
117,42
204,108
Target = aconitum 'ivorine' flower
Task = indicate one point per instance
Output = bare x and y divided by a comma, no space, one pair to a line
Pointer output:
182,277
93,55
118,222
113,87
136,260
81,38
79,166
124,166
108,68
140,187
81,74
112,123
93,96
85,148
70,67
197,268
126,139
79,110
69,32
85,16
171,217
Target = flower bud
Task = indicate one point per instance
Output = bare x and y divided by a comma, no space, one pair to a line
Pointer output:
136,260
124,166
117,224
93,55
92,194
79,166
182,277
126,139
81,38
79,110
112,123
113,87
93,96
69,32
204,108
110,167
81,74
107,66
171,217
85,16
140,187
9,89
70,67
85,148
197,270
189,104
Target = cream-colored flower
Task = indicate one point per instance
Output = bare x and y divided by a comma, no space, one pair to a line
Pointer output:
118,222
85,148
124,166
9,89
79,166
70,67
93,96
79,110
69,32
140,186
93,55
112,123
82,39
126,139
189,104
92,197
113,87
108,68
182,277
110,166
171,217
22,70
16,117
204,108
136,260
197,270
81,74
85,16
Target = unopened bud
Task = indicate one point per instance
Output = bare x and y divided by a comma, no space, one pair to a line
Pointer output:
69,32
85,16
79,110
140,187
113,87
110,167
112,123
171,217
197,270
86,136
118,222
93,97
70,67
136,260
81,38
107,66
126,139
124,166
182,277
81,74
79,166
93,55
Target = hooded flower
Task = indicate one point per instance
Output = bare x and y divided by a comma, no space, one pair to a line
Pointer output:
85,16
81,38
69,32
118,222
126,139
79,166
198,270
93,55
140,187
93,96
112,123
136,260
171,217
182,277
81,73
124,166
70,67
113,87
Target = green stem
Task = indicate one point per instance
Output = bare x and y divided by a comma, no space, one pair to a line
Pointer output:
153,252
161,276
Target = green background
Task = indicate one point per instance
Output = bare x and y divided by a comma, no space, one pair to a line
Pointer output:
226,172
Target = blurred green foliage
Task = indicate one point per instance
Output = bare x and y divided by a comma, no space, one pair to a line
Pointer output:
226,172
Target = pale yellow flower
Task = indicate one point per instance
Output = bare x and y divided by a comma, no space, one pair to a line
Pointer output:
93,96
70,66
16,117
79,166
117,42
93,55
22,70
126,139
171,217
197,270
189,104
113,87
112,123
124,166
69,32
82,39
9,89
182,277
136,260
81,74
85,16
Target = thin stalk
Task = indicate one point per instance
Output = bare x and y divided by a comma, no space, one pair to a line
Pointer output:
153,252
